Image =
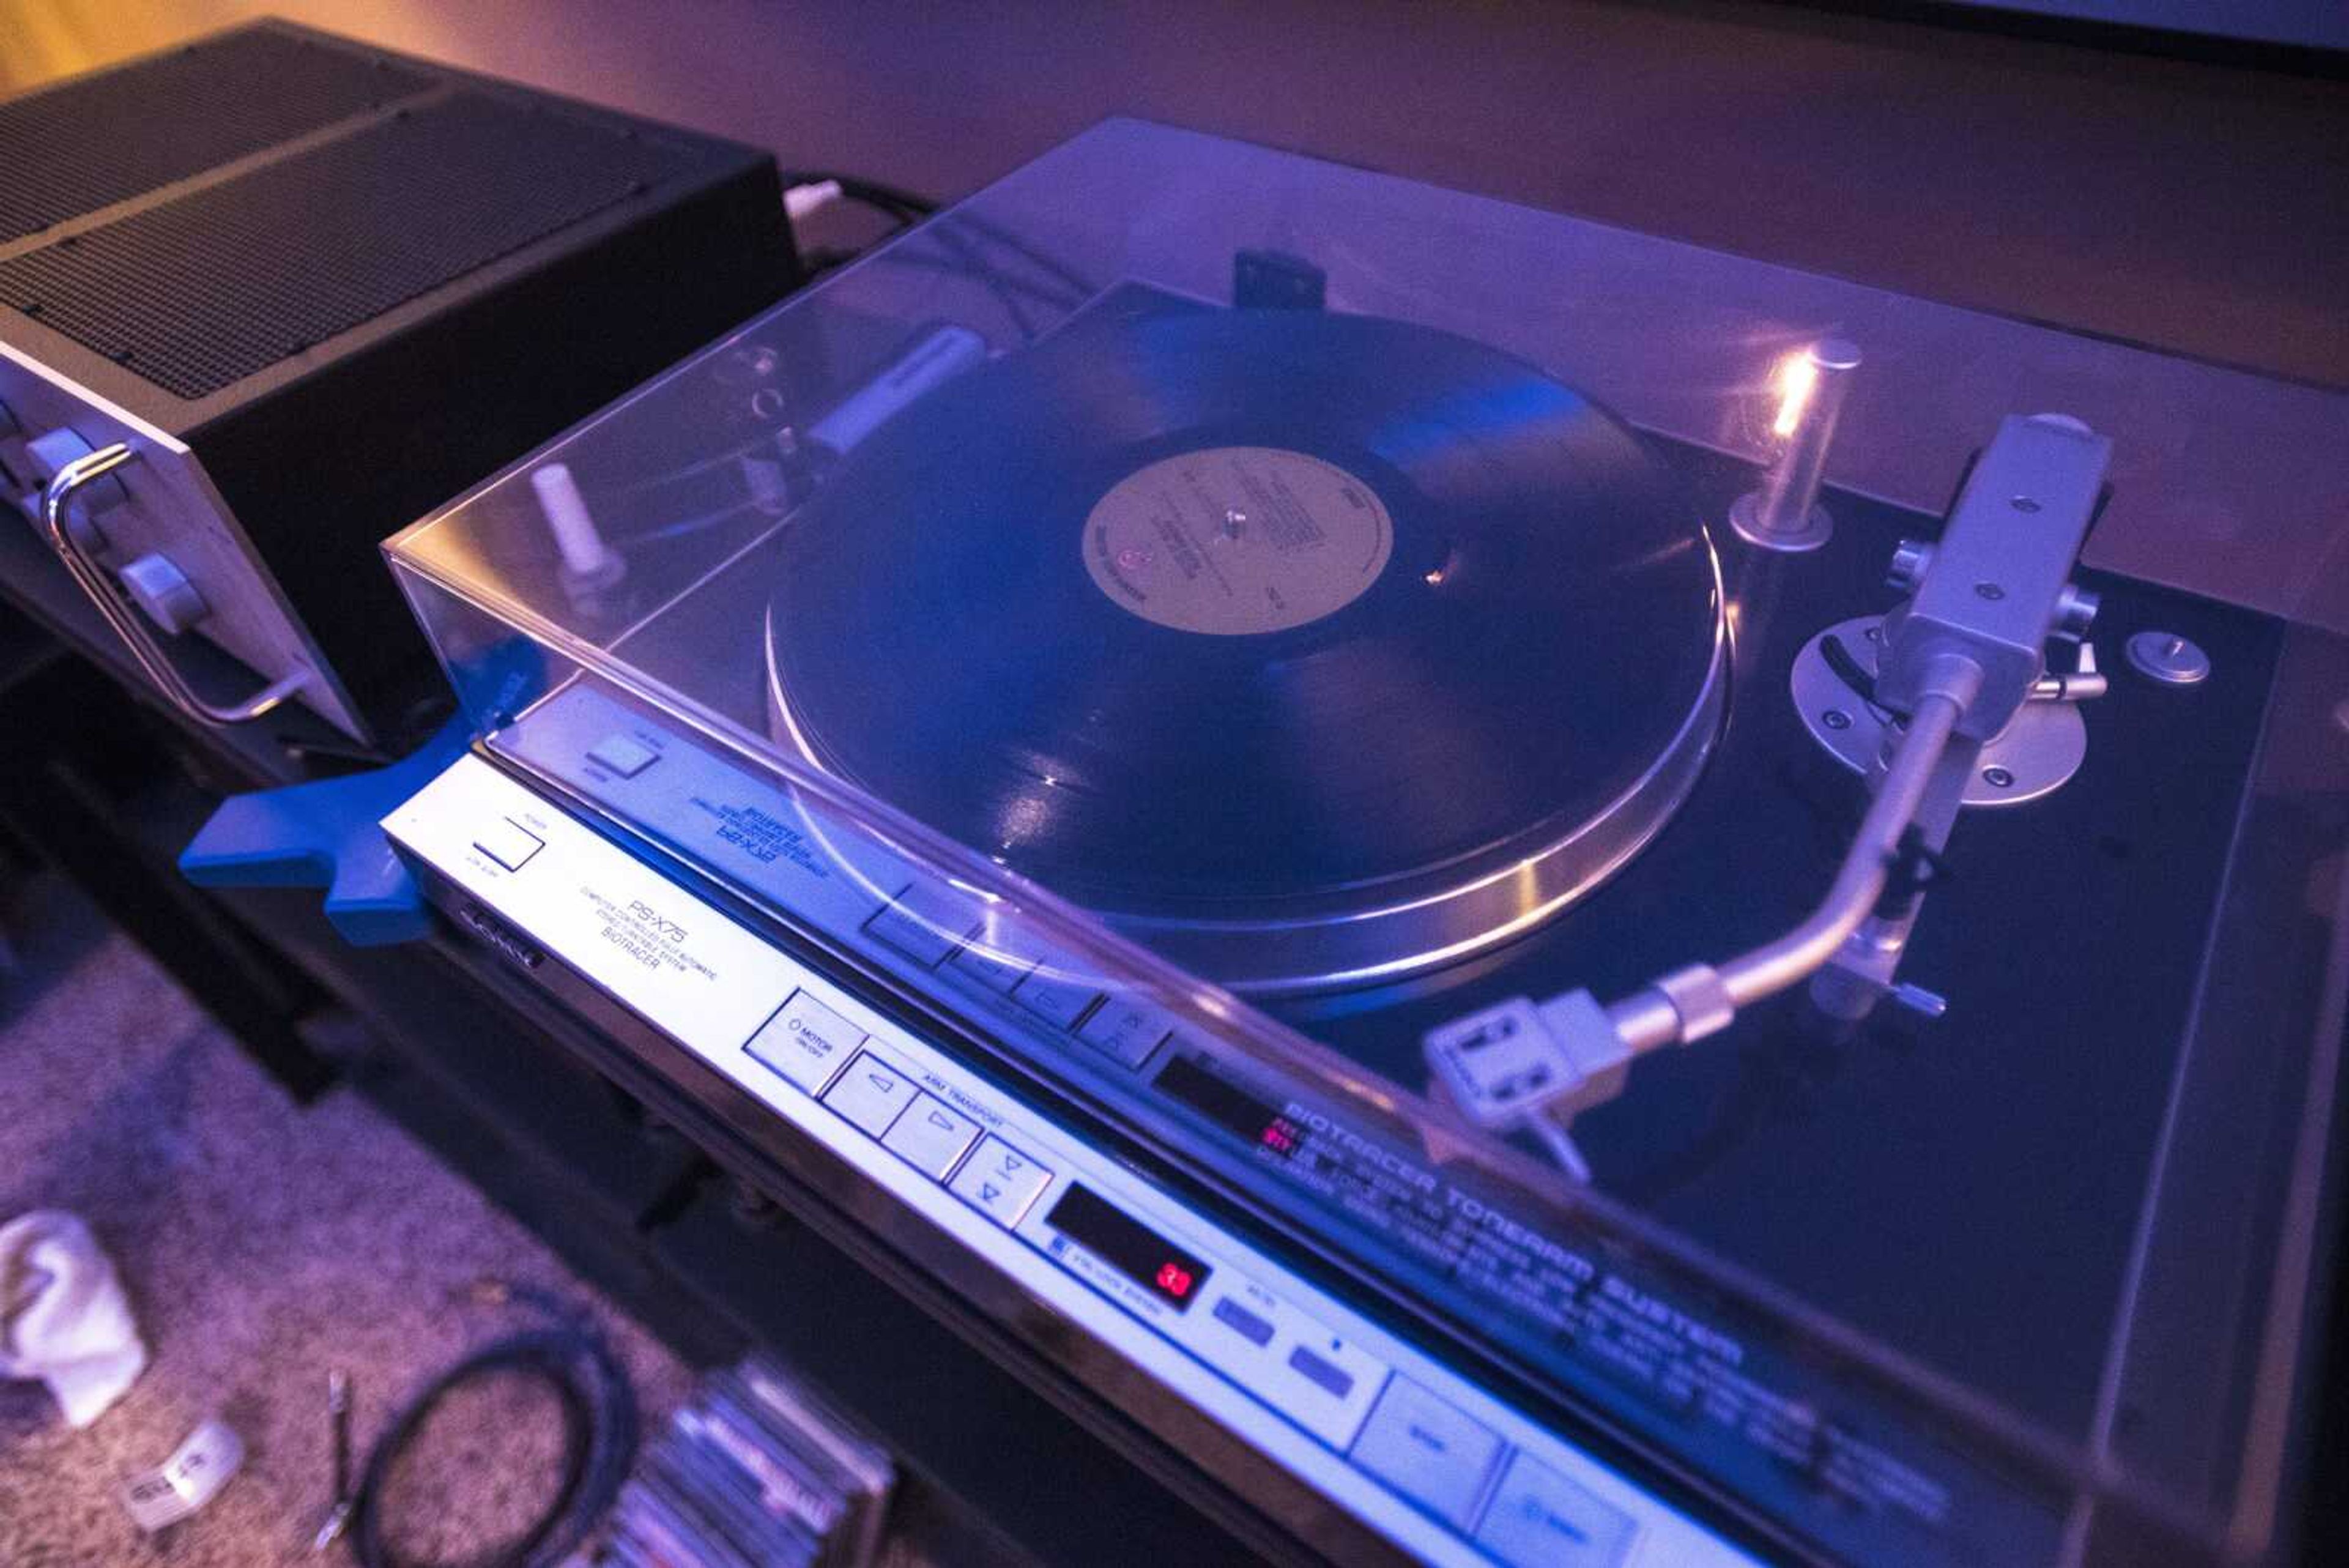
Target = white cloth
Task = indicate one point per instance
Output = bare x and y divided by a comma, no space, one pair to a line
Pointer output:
64,1318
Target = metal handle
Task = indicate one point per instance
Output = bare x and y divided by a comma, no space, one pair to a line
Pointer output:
152,656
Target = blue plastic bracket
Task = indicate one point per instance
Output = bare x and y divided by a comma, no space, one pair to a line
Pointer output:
324,835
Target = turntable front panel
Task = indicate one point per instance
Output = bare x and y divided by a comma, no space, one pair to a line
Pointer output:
1430,1461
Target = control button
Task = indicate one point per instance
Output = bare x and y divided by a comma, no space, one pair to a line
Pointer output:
1426,1450
925,923
1000,1181
1244,1323
996,968
1538,1518
806,1042
930,1137
509,844
871,1094
1127,1031
1050,996
1313,1369
623,754
163,591
51,451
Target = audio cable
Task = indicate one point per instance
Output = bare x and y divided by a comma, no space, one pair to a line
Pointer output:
566,1353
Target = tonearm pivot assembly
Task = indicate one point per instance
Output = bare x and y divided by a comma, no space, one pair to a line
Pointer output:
1958,667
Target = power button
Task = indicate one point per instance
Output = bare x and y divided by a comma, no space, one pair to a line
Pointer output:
509,844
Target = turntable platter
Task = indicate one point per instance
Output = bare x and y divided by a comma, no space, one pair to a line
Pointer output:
1310,648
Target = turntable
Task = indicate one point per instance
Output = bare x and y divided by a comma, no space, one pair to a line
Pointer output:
1312,649
1291,783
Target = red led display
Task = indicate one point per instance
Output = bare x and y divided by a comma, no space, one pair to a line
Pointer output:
1279,1136
1130,1247
1231,1107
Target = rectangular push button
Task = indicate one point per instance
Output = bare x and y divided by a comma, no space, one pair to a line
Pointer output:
1126,1030
1337,1380
1049,993
930,1137
1427,1450
510,844
871,1094
806,1042
1000,1181
925,923
1242,1322
997,970
622,755
1538,1518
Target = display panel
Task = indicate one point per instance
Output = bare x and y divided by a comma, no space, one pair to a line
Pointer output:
1263,717
1254,1120
1149,1260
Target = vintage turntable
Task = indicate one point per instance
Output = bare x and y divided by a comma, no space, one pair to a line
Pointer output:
1150,743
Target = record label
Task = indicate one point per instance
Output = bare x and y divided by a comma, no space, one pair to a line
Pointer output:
1233,541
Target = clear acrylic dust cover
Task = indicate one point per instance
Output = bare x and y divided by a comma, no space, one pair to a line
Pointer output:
1300,630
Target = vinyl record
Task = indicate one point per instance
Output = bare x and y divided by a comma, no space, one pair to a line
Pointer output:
1258,631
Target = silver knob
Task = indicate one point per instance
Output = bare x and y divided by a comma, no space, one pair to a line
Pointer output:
2076,612
50,450
1911,559
160,588
87,534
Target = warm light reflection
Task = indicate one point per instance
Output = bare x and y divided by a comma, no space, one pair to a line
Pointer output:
1797,377
1022,819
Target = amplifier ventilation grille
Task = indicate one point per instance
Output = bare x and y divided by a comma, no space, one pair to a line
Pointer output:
89,144
201,292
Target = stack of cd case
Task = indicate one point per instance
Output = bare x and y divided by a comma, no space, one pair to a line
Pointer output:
754,1470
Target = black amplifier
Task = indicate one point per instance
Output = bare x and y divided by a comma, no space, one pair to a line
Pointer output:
267,297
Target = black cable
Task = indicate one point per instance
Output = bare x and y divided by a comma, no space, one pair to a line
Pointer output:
901,203
976,265
599,1419
909,208
908,256
1848,669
